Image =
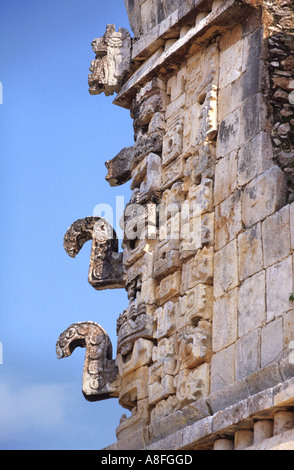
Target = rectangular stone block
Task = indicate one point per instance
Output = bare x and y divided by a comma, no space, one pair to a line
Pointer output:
254,158
172,172
226,178
198,270
279,285
251,122
250,252
272,342
195,305
166,258
224,325
263,196
247,354
276,236
228,222
229,134
231,61
251,304
192,384
169,288
226,269
223,368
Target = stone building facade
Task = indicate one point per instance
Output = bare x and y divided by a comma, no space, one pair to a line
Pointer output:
204,355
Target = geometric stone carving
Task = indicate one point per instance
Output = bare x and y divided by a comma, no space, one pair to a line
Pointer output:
193,345
106,271
100,379
191,384
133,324
165,320
161,380
140,355
112,61
198,270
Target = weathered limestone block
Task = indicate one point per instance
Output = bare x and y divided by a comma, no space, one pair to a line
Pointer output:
163,408
251,304
133,396
224,331
192,384
200,164
150,142
106,270
226,269
248,354
166,258
100,375
229,134
173,141
279,283
276,236
131,426
176,85
139,356
134,389
254,158
197,233
173,172
139,230
200,199
152,184
196,305
175,109
250,251
150,100
165,318
135,322
228,223
231,64
119,168
200,120
226,179
198,270
165,349
161,378
136,278
193,345
223,368
169,288
263,196
252,123
272,342
112,62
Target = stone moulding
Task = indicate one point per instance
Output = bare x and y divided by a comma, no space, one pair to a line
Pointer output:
106,271
200,430
100,375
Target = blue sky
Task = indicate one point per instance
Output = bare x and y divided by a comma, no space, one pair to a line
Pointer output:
54,140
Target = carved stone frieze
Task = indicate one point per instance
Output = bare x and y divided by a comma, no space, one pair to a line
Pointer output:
100,376
112,62
134,323
106,270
